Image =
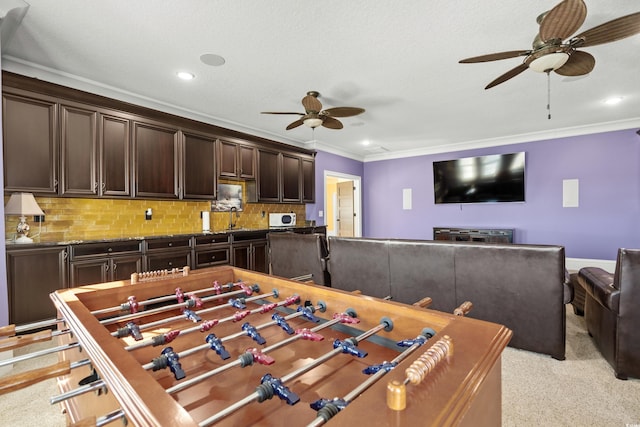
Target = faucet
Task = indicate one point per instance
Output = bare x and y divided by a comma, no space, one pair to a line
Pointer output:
231,211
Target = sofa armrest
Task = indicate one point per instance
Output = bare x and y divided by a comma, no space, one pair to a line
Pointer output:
598,283
567,287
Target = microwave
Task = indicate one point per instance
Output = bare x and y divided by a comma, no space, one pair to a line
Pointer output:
282,219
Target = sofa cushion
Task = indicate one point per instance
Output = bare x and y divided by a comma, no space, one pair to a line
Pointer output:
360,264
421,269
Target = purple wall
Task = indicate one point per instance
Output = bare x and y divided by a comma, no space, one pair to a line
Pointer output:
607,166
334,163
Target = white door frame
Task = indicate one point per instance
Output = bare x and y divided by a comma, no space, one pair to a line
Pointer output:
357,197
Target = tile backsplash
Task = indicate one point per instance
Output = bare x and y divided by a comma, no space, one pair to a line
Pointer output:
69,219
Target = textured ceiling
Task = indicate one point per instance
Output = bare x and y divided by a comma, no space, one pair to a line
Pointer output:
398,60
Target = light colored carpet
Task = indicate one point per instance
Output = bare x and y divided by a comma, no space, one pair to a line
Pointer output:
537,389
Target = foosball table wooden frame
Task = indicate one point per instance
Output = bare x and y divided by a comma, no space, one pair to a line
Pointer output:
460,386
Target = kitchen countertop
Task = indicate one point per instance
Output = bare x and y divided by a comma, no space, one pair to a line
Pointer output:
44,243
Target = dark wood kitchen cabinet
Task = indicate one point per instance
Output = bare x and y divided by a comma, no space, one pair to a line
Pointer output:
212,249
200,180
308,180
250,251
79,148
168,253
104,262
32,274
236,161
269,189
156,161
115,155
30,142
291,178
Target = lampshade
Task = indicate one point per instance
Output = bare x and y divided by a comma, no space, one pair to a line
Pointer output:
313,122
22,204
551,61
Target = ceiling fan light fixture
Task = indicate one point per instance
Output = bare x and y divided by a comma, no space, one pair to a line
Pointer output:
312,122
549,62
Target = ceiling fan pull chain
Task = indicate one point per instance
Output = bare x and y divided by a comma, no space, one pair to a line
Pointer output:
549,94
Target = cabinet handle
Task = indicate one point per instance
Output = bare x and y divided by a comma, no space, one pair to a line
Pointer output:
103,186
95,187
115,267
170,244
106,267
170,264
213,257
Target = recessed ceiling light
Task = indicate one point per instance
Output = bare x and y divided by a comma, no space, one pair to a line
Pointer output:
212,59
186,75
613,100
365,142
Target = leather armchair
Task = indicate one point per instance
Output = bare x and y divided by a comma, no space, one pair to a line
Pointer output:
294,255
612,312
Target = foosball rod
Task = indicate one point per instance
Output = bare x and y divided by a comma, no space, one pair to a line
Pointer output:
95,385
187,304
35,354
169,336
101,421
241,361
385,324
18,341
126,306
11,330
166,320
325,415
34,376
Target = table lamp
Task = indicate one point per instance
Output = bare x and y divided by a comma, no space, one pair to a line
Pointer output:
22,204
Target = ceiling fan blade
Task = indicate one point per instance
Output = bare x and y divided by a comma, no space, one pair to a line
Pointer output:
495,56
278,112
311,104
579,64
295,124
611,31
343,111
508,75
331,123
563,20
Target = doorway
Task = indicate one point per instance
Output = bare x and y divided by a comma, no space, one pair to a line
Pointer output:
342,204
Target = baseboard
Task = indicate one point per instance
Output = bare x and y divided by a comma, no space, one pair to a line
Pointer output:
575,264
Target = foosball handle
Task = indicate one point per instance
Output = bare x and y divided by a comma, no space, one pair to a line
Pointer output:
424,302
23,340
463,309
25,379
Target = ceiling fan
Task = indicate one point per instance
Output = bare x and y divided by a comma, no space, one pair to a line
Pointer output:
315,116
551,53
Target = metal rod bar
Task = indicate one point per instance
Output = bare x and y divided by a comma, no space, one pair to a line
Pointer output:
77,392
199,312
145,313
37,325
228,286
110,417
149,342
357,391
254,396
185,384
35,354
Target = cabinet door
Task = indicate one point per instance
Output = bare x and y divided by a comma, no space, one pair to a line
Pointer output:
241,256
79,147
32,274
199,167
123,267
268,176
155,161
88,272
308,181
227,159
260,257
115,164
291,179
30,135
247,161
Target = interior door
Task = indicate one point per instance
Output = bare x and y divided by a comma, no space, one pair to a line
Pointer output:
345,209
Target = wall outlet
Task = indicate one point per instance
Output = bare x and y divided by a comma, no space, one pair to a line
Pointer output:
320,214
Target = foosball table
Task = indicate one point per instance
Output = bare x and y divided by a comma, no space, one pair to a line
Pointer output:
230,347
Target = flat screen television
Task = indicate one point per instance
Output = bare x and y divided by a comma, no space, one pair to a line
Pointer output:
484,179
